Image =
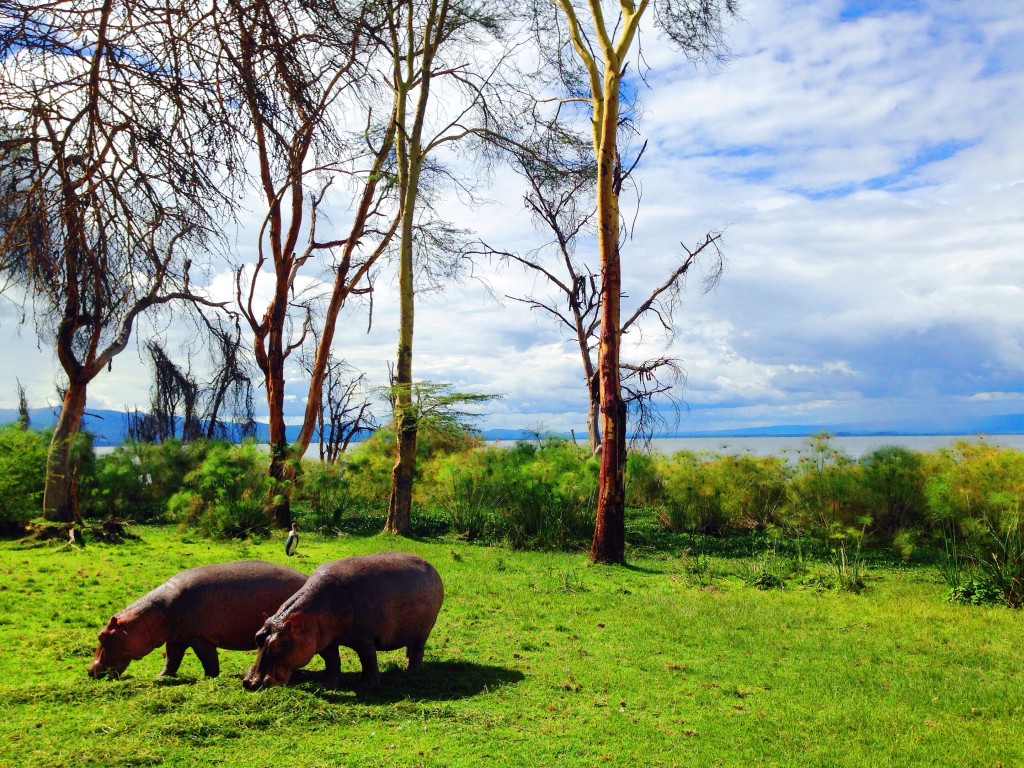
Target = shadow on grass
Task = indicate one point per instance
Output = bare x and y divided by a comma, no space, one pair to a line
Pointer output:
439,681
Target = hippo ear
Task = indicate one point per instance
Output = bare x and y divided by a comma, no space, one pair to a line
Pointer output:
296,622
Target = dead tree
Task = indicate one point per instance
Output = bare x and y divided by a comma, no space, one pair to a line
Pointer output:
291,72
344,408
559,196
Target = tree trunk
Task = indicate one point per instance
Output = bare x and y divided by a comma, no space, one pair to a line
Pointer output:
279,506
594,413
59,497
609,544
281,475
400,505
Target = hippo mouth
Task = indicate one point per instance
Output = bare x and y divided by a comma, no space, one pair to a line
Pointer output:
259,682
255,680
98,671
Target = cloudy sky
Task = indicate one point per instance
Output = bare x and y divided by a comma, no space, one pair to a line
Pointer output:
866,161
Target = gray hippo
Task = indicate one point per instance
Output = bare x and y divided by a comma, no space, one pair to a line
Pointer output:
368,603
205,608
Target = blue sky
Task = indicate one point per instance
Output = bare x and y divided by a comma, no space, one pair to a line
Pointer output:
866,161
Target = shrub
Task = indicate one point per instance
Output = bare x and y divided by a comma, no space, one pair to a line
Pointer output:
693,495
225,495
754,490
528,496
327,491
895,478
975,495
22,476
826,492
643,480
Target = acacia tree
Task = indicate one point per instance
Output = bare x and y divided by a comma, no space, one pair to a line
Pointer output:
105,161
559,196
292,69
434,47
603,36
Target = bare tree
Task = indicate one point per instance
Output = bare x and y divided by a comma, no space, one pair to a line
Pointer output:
24,419
106,189
344,408
291,68
179,399
560,185
603,37
228,396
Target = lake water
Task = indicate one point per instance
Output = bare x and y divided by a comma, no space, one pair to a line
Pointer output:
855,447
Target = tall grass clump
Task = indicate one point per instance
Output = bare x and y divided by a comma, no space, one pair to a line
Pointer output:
22,476
531,496
713,494
693,495
324,496
826,497
755,490
894,478
975,493
225,495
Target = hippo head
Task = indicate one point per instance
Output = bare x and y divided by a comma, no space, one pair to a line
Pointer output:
117,649
283,646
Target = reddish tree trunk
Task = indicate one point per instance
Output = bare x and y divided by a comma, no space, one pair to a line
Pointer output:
59,497
609,544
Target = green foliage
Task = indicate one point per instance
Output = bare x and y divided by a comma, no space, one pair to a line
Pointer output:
137,480
693,495
325,490
439,409
530,496
773,567
826,492
895,477
22,476
643,480
225,496
975,493
368,468
755,490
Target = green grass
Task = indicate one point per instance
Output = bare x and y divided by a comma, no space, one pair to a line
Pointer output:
537,660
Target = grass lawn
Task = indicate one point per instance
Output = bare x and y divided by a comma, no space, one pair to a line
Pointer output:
537,660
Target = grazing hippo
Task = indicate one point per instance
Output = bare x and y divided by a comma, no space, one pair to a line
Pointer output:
368,603
205,608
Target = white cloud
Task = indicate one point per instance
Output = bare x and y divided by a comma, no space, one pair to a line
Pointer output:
869,178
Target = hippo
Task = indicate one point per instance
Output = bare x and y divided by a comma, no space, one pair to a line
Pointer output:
205,608
368,603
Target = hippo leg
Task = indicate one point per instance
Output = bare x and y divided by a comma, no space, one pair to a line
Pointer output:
332,666
207,653
367,653
414,652
173,654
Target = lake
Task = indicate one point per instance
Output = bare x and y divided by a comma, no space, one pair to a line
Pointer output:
855,446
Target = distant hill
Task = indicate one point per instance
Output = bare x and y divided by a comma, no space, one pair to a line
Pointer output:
110,427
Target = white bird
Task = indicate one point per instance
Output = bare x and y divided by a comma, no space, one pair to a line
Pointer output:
292,542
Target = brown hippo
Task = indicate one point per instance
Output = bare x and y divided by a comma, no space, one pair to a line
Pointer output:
205,608
368,603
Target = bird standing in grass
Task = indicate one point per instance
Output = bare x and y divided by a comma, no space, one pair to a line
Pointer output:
292,542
